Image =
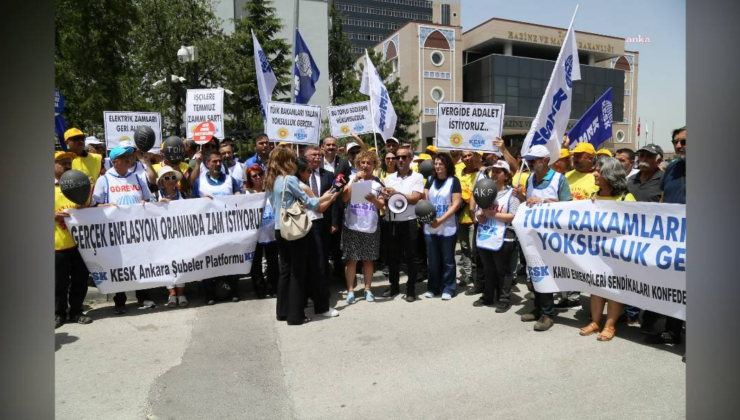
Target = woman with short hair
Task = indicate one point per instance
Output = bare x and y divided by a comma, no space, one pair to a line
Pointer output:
612,182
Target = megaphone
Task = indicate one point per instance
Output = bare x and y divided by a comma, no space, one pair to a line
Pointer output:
397,203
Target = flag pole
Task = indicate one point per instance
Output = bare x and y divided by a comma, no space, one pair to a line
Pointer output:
372,108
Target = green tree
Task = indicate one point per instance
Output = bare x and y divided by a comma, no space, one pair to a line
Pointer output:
244,104
91,57
406,110
340,56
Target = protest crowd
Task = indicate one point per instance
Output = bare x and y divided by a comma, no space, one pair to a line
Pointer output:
349,241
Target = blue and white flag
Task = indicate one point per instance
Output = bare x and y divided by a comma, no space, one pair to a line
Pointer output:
266,79
595,126
549,126
305,70
384,115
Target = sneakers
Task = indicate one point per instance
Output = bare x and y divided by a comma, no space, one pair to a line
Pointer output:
331,313
473,291
172,301
58,321
350,298
666,337
149,304
446,296
182,301
119,310
393,291
482,302
369,296
428,294
544,323
503,307
565,305
532,316
81,319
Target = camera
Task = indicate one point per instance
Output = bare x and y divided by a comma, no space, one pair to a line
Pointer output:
183,55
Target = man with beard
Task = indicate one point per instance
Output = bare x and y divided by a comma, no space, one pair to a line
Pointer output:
645,185
543,186
236,169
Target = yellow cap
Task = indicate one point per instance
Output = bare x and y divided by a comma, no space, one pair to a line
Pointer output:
59,155
604,152
431,148
282,143
423,156
480,153
584,147
372,149
564,153
72,132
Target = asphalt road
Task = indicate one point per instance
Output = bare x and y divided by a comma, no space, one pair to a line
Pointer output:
387,359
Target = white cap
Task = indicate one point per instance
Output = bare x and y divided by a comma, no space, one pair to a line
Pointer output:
92,140
126,143
350,145
536,152
392,139
501,164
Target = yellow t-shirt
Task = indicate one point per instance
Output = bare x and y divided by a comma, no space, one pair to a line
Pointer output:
90,165
520,179
459,166
581,185
628,197
467,183
62,238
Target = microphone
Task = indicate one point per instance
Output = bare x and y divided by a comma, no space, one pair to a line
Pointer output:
339,183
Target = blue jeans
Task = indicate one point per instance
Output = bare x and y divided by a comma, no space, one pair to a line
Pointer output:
441,254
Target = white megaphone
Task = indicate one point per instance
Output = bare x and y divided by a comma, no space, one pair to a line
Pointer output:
397,203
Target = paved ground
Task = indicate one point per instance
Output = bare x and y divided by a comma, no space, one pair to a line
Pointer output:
429,359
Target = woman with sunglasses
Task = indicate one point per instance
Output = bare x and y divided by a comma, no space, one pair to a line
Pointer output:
266,243
167,181
361,233
444,191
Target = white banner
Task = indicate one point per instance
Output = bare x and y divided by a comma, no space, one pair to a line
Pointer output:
469,126
120,125
550,124
344,119
384,115
633,253
205,105
157,244
293,123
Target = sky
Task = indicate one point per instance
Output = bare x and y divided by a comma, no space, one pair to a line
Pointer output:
662,75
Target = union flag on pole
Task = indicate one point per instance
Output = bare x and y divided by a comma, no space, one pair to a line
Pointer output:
638,127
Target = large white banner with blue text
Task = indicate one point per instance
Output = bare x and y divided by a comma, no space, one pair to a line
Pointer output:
633,253
159,244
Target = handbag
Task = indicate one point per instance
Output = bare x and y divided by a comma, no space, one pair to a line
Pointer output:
294,221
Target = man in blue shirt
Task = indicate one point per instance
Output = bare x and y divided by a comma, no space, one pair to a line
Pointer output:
262,148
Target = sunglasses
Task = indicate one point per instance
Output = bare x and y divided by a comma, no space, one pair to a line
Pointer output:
389,158
682,141
170,178
255,176
403,157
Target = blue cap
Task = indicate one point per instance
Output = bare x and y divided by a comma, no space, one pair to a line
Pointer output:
119,151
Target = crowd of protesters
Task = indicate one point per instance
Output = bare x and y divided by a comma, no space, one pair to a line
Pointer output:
348,239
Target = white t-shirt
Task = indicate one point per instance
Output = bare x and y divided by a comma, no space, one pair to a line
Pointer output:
407,185
237,171
121,190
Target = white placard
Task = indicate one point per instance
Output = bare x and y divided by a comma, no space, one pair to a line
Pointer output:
359,190
344,119
469,126
205,105
633,253
158,244
293,123
120,125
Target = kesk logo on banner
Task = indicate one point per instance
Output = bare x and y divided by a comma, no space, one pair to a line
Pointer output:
595,126
469,126
120,125
633,253
153,245
293,123
205,105
345,119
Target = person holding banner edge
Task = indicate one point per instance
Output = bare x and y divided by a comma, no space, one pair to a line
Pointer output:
544,185
167,180
443,190
266,243
612,182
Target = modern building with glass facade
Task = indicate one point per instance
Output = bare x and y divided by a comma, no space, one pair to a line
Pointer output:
509,62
